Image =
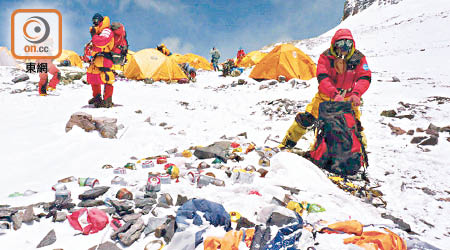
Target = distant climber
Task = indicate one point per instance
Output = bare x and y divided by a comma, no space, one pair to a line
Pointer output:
189,71
215,56
240,55
163,49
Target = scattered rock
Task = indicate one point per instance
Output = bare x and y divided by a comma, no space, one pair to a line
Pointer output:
149,120
433,130
28,216
218,149
402,225
281,78
106,126
244,223
242,82
91,203
427,223
444,199
181,200
49,239
291,189
82,120
105,246
433,140
163,124
410,117
152,224
93,193
60,217
428,191
388,113
418,139
271,83
138,111
262,172
20,78
395,79
131,217
445,129
166,199
17,219
123,206
132,234
396,130
410,132
420,130
263,86
141,203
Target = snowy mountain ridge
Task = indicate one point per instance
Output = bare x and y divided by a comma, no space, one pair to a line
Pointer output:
353,7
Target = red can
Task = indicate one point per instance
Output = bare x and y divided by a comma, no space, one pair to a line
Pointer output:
161,160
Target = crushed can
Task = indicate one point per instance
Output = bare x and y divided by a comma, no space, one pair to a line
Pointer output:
250,148
205,180
269,153
59,186
264,161
62,195
193,176
153,184
118,181
203,165
161,160
130,165
242,176
68,179
120,171
165,178
91,182
124,194
186,153
148,164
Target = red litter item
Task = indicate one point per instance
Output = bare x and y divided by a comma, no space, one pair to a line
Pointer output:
161,160
96,218
115,224
168,165
254,192
235,145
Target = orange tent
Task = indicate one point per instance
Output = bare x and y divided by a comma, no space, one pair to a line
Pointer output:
196,61
251,59
286,60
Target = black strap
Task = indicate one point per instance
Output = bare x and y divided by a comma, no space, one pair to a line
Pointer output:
368,78
322,76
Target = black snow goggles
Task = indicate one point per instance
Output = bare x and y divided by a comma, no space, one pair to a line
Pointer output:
344,44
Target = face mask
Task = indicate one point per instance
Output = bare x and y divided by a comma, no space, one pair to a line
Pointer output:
344,45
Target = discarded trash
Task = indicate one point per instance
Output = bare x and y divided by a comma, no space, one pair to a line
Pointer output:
250,148
15,194
174,171
186,153
124,194
203,165
161,160
118,181
148,164
130,165
68,179
254,192
59,186
193,176
153,184
62,195
242,176
107,166
29,192
165,178
264,161
235,216
235,145
91,182
304,206
205,180
120,171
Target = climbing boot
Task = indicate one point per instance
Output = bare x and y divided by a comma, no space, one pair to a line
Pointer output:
294,133
108,103
95,99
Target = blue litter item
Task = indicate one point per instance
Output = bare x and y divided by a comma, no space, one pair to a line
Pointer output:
287,237
213,212
240,69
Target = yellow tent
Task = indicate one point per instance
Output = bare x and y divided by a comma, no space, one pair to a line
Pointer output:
176,57
196,61
251,59
122,67
150,63
70,55
286,60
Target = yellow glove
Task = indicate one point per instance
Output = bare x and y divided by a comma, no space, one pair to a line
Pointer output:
294,133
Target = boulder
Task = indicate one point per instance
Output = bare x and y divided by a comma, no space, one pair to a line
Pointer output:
433,130
131,217
133,233
418,139
82,120
141,203
17,219
153,223
106,126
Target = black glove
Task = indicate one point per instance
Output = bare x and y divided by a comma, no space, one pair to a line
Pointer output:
93,31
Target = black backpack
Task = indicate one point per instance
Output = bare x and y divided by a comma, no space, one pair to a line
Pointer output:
338,147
